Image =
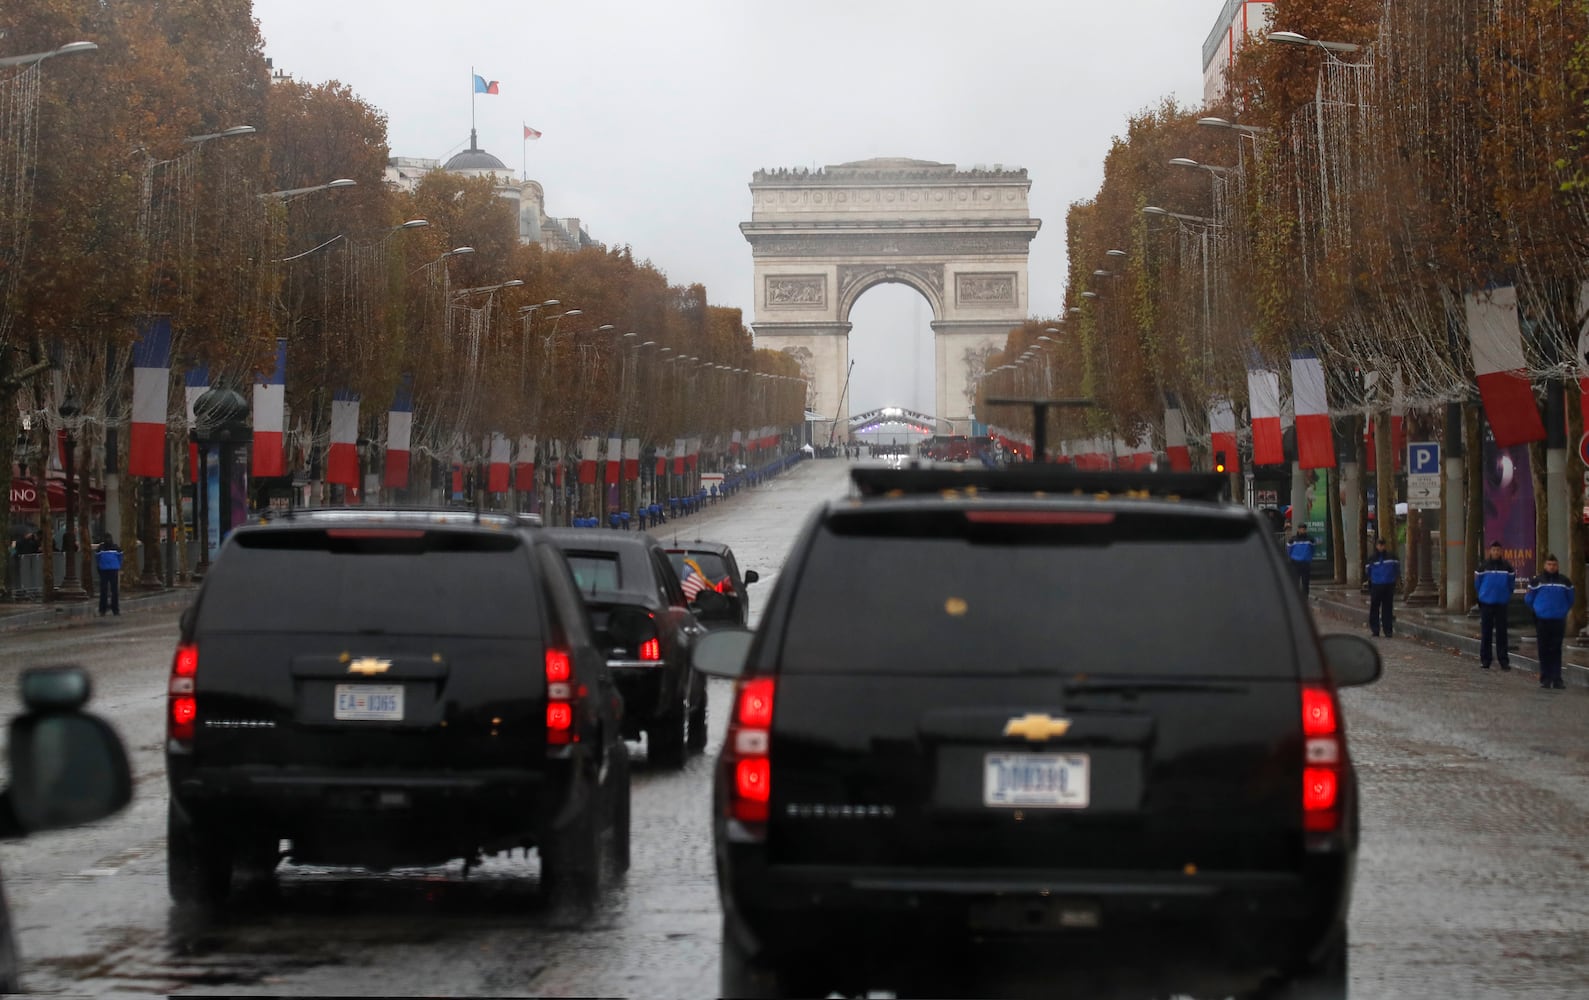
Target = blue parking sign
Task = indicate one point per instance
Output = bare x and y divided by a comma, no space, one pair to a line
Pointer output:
1423,458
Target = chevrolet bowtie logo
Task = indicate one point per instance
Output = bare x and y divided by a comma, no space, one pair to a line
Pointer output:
1037,727
368,665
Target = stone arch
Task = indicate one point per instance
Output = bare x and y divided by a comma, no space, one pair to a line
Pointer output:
820,239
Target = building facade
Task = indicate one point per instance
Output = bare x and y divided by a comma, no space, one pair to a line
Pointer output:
1239,20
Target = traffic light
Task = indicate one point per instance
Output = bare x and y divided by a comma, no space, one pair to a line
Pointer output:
1219,461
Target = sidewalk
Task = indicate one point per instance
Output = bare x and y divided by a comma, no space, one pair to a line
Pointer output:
1349,606
19,616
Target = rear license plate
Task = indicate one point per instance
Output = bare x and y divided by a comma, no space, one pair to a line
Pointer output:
1035,780
369,703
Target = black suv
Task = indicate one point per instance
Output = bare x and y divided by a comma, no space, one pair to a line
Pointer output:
1074,729
721,570
647,627
389,688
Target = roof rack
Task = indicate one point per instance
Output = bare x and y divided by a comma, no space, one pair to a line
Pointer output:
1041,478
433,515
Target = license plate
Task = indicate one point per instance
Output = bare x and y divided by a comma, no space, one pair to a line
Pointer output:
369,703
1035,780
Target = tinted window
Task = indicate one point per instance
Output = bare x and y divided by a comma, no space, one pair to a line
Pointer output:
385,582
712,565
931,592
595,571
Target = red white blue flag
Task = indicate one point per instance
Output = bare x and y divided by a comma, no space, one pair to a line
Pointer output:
1315,440
342,458
270,418
151,390
497,474
399,435
1263,399
1498,362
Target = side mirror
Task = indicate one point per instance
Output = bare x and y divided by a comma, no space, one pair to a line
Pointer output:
711,606
722,653
751,576
67,768
1352,659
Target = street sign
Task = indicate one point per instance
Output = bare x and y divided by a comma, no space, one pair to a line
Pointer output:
1423,459
1423,491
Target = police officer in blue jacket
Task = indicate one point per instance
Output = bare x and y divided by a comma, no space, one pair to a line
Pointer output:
1300,552
1384,572
1493,583
1550,597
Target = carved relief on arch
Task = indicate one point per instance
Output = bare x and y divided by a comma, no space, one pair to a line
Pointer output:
803,356
857,278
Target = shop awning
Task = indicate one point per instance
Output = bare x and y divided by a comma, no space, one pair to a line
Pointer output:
25,496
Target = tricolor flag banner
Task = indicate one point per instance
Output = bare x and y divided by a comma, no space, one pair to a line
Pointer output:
614,460
1315,440
457,481
530,133
1263,396
1175,448
589,452
1498,361
1222,433
678,456
662,461
733,443
693,456
483,86
195,384
524,468
342,458
270,418
151,391
497,475
399,435
631,458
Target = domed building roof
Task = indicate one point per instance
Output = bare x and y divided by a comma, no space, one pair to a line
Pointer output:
474,158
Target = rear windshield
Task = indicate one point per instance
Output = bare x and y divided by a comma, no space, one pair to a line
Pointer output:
392,582
712,565
595,571
935,593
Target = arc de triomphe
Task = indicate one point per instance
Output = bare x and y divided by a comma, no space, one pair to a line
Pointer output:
821,238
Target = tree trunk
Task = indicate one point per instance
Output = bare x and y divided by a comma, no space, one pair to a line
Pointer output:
1473,431
46,529
131,503
1536,470
85,544
1385,482
1574,556
10,426
1337,525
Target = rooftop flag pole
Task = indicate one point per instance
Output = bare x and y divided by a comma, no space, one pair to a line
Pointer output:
472,91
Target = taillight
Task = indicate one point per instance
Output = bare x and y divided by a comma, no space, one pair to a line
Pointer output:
183,707
651,649
1322,759
561,694
746,752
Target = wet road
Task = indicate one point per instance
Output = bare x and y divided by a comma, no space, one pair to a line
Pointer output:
1476,802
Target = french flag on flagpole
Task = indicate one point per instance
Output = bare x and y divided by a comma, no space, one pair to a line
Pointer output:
614,460
733,443
497,475
342,459
678,456
1315,440
399,436
589,451
1498,361
631,458
151,390
1175,448
195,384
524,470
1222,433
270,419
1263,396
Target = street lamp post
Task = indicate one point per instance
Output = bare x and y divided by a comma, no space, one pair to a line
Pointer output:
33,58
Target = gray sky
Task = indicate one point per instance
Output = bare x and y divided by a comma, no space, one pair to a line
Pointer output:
656,114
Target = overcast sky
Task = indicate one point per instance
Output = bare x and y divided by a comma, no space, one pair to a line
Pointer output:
655,113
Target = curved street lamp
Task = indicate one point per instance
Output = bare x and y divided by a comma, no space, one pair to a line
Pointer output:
1296,38
70,48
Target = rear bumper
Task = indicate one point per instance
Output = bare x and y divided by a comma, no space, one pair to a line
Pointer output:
1224,929
648,689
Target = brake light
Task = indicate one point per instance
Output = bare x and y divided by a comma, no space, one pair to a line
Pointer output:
183,707
1322,759
651,649
561,694
746,754
1038,517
